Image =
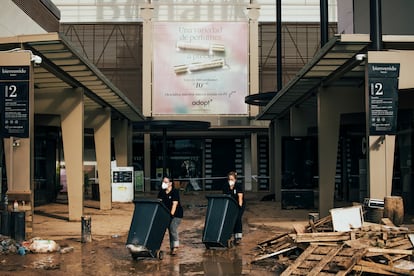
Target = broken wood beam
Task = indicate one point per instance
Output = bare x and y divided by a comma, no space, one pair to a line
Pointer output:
359,267
272,240
322,237
381,267
390,251
274,254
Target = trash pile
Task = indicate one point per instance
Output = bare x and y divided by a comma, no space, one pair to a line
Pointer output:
34,245
319,248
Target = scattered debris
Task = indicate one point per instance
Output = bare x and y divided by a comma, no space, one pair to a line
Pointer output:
67,249
38,245
35,245
316,249
8,245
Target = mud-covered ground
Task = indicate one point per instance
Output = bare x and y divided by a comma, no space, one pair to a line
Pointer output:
107,254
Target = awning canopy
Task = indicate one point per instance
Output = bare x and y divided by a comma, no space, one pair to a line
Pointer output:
63,67
340,61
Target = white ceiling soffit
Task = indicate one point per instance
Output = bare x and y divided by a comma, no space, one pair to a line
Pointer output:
63,67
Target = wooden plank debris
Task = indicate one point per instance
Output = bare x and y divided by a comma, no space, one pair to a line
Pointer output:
320,259
383,269
390,251
319,237
381,249
274,253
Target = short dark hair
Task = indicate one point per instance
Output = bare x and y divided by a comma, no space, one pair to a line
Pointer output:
233,173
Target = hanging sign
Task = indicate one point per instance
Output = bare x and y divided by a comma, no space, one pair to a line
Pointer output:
14,91
383,98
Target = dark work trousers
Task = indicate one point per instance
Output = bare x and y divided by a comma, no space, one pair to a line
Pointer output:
238,227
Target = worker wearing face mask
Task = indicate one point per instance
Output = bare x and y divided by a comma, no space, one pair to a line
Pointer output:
171,199
236,190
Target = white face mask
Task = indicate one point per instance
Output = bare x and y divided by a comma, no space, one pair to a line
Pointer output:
231,182
164,185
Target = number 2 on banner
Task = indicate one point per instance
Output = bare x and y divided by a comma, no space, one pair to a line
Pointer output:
10,91
377,89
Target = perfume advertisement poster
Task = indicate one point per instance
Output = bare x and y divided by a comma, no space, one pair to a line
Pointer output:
200,68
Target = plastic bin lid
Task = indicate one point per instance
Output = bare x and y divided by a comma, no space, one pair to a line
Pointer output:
221,196
151,200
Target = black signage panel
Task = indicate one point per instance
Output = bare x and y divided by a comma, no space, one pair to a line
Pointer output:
14,96
383,98
122,177
10,73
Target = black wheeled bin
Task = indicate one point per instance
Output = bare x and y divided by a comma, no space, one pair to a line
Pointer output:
149,222
5,223
222,211
18,226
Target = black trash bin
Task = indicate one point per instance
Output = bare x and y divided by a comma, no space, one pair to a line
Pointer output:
222,211
95,192
5,223
149,222
18,226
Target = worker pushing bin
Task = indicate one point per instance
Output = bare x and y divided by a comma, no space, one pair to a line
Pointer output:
149,222
220,219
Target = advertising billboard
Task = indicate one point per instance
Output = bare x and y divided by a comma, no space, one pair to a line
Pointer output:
200,68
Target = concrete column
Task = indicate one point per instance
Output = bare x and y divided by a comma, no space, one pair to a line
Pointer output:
120,132
404,58
277,129
102,137
147,12
72,136
332,102
381,148
328,137
381,163
19,152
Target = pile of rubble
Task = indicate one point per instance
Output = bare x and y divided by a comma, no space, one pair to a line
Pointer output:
317,249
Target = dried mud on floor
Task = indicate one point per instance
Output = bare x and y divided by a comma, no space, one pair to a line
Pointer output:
107,254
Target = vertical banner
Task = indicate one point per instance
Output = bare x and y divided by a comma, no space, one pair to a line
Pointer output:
383,97
200,68
139,181
14,87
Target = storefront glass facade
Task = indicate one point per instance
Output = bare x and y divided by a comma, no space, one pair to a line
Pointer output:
192,163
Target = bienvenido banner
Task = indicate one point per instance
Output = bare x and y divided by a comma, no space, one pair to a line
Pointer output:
383,98
14,87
